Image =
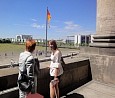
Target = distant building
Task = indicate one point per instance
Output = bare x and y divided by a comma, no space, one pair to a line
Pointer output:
70,39
82,39
12,39
41,40
23,38
78,40
92,38
60,41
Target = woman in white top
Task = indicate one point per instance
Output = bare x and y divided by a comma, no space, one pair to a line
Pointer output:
55,69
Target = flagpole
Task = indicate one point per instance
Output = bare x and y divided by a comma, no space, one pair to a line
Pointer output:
46,31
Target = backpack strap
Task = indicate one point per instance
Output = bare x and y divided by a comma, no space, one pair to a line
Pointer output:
25,70
32,66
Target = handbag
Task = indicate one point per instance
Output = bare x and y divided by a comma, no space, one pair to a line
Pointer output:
54,65
25,82
36,95
63,63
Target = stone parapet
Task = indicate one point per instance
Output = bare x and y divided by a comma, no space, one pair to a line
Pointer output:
76,73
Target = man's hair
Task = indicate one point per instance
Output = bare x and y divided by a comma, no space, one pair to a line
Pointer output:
30,45
53,43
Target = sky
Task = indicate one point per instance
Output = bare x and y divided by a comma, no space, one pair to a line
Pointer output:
68,18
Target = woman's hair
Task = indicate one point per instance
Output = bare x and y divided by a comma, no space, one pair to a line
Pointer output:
30,45
53,44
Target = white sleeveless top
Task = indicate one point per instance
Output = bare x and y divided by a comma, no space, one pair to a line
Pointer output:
56,63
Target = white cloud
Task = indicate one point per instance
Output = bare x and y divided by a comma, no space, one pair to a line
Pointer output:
71,26
34,20
51,26
35,25
43,26
20,25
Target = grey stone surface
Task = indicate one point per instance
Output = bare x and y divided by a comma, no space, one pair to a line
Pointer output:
105,16
97,50
105,24
93,89
102,62
76,73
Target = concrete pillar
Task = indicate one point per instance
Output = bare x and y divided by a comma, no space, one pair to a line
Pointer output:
102,52
105,25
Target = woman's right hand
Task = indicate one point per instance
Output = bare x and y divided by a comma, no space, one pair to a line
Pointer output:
56,79
48,67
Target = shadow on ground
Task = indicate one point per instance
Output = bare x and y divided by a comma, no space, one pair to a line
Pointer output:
74,95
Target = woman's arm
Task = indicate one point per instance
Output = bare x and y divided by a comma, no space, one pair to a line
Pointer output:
56,72
57,60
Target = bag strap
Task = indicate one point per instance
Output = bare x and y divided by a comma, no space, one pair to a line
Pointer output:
25,70
32,66
62,61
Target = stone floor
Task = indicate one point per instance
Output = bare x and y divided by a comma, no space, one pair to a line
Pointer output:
93,89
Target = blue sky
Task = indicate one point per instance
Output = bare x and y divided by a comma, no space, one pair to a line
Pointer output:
68,17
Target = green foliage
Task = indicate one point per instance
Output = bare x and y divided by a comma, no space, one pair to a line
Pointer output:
84,44
5,41
4,47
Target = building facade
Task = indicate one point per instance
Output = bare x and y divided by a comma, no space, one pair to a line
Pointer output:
82,39
23,38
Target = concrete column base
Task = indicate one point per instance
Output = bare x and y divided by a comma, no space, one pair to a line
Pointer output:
102,62
101,40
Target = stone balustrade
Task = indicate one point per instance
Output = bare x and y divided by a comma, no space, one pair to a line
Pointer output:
76,73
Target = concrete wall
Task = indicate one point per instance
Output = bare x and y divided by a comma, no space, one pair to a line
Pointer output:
75,75
102,62
7,82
